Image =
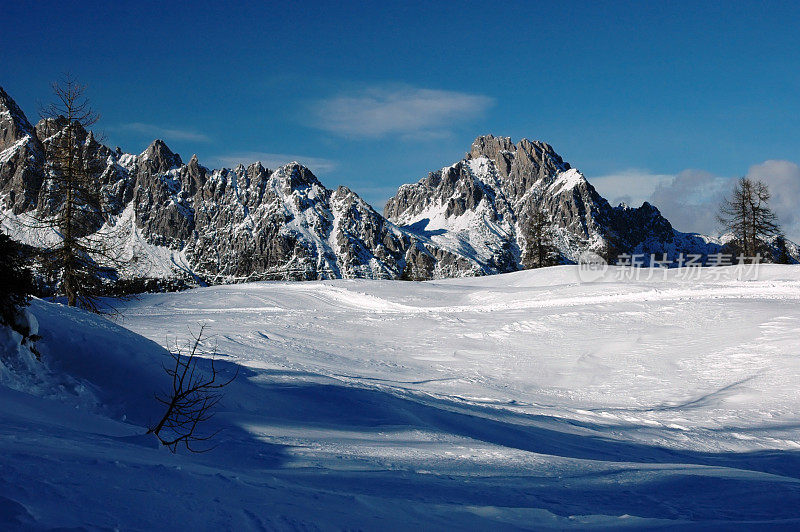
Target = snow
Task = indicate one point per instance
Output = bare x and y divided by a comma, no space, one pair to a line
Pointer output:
141,258
566,181
480,166
27,229
516,401
9,152
128,161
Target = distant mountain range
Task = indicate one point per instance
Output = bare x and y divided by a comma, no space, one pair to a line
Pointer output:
183,220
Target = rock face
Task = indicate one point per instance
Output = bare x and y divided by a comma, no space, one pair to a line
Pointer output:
21,157
248,223
480,207
251,223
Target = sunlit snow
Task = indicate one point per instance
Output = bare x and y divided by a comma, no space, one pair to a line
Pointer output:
524,400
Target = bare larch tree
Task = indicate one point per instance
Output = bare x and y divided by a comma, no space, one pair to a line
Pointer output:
78,261
746,214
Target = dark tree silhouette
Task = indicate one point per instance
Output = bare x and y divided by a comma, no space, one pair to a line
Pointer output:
191,400
746,214
78,261
16,281
781,252
540,250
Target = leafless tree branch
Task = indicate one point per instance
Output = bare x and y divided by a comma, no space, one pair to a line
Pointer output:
191,400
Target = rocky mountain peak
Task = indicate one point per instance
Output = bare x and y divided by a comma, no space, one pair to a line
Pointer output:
490,146
344,195
193,167
158,158
295,176
14,125
256,168
482,206
541,153
21,157
469,218
193,176
256,172
521,165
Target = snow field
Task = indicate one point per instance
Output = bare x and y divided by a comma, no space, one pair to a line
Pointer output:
519,401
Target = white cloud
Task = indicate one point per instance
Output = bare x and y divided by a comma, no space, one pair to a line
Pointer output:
154,131
783,179
691,198
632,186
274,160
406,111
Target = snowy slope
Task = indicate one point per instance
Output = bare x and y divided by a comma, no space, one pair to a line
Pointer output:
518,401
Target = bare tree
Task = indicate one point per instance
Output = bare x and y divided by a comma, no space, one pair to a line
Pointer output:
191,400
764,222
734,215
80,260
746,214
540,250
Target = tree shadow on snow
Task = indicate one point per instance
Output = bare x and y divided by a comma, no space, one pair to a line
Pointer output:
297,400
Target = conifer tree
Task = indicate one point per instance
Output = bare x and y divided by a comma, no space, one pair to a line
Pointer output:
540,250
79,260
747,216
781,253
16,281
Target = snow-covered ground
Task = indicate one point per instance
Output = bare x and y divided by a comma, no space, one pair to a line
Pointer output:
519,401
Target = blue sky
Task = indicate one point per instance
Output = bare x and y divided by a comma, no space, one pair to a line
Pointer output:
650,100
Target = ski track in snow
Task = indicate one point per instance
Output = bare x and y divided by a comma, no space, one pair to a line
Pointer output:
518,401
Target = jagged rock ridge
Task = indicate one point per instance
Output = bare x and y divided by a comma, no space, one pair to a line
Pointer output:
224,225
252,223
481,205
21,157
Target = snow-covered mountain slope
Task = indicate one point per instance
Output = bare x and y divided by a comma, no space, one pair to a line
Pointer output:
519,401
22,157
481,206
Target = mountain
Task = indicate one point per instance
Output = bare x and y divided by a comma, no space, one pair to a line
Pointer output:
176,219
480,206
183,219
21,157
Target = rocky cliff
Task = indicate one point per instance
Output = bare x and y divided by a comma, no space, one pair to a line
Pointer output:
224,225
249,223
480,206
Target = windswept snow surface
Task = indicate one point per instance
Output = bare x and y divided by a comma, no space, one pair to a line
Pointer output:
520,401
